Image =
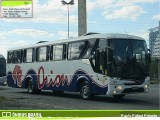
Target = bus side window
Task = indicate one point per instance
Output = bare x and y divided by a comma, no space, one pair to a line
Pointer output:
87,52
28,55
9,57
17,57
75,49
42,54
57,52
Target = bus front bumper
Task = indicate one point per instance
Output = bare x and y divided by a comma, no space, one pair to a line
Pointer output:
118,87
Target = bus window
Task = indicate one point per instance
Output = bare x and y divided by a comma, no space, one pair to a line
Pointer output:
98,55
75,49
42,54
88,50
16,57
9,57
57,52
28,55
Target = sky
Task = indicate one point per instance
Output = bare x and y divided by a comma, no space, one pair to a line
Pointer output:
50,23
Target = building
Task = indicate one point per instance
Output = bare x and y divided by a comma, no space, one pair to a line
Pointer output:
156,49
153,33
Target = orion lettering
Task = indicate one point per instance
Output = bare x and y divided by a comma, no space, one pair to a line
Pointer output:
50,79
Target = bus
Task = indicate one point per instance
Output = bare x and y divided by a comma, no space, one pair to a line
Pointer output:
92,64
3,80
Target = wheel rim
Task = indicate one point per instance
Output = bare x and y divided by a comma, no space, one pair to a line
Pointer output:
30,87
85,91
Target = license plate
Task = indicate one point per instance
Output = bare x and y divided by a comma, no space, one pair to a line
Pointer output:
134,88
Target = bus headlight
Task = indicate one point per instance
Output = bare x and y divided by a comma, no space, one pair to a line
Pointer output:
145,86
119,87
114,92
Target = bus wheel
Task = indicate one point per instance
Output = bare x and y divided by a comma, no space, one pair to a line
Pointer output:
30,87
85,90
119,96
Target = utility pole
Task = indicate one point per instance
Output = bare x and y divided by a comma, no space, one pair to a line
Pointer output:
82,17
68,3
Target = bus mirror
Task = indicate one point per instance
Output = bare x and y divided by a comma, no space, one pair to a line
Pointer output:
97,60
92,56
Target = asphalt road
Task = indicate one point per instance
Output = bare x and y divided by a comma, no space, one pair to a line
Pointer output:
16,98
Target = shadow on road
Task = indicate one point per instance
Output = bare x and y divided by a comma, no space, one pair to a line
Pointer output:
97,98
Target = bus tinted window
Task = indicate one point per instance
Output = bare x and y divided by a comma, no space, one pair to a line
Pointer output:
57,52
42,54
75,49
28,55
2,66
9,57
16,58
88,50
102,44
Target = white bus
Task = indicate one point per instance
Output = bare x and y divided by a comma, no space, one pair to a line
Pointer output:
92,64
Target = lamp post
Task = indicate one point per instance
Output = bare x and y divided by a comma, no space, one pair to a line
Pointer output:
68,3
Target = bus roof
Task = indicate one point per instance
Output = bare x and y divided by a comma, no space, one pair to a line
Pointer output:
83,37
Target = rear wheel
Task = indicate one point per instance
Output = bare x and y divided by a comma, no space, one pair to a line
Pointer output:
85,90
30,88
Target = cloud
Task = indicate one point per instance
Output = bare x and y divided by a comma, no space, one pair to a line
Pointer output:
64,34
31,32
49,12
156,17
55,12
141,33
6,44
26,32
144,1
114,9
129,12
12,38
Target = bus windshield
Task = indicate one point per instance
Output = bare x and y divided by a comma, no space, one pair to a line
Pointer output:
2,67
128,58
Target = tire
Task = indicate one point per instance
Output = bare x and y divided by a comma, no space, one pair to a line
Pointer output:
119,96
30,88
85,90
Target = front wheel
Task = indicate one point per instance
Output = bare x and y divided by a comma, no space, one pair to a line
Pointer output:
85,90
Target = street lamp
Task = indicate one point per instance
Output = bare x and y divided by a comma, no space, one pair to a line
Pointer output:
68,3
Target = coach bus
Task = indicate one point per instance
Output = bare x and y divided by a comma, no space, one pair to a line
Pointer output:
3,80
92,64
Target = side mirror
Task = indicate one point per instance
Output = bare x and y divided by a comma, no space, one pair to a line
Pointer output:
97,59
